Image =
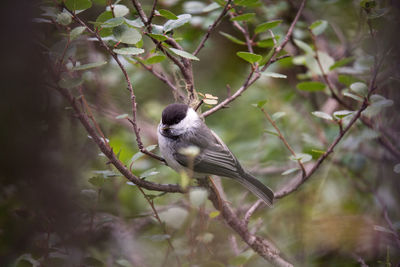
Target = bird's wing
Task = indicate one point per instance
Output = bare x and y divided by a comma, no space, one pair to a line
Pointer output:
214,157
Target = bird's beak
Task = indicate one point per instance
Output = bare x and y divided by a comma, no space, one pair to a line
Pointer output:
164,127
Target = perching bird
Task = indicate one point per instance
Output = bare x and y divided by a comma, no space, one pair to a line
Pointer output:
181,128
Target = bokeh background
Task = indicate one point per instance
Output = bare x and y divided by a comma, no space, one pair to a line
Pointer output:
61,204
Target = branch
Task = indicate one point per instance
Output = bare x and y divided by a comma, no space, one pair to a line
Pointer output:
212,27
250,79
84,119
260,245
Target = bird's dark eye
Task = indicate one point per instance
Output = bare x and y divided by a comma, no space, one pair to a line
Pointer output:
167,131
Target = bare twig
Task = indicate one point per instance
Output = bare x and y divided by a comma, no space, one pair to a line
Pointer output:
252,209
212,27
280,135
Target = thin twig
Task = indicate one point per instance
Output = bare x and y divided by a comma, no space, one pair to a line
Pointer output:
251,210
280,135
212,27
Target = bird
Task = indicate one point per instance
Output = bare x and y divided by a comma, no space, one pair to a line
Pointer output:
181,130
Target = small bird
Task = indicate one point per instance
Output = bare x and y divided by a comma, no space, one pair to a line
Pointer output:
181,128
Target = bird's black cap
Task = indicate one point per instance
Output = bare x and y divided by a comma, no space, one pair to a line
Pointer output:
174,113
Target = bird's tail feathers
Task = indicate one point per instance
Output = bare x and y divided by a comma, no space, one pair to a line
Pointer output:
257,188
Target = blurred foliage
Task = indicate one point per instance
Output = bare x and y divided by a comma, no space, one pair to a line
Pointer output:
62,204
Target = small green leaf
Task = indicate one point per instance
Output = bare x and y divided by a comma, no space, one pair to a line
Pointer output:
269,42
305,47
167,14
103,17
342,62
303,157
274,75
267,25
311,86
173,24
261,103
90,65
122,116
320,152
244,17
318,27
233,38
64,18
119,10
126,34
290,171
114,22
76,32
155,59
249,57
355,97
184,54
380,101
210,7
137,23
214,214
322,115
271,132
150,172
342,113
278,115
347,79
158,37
77,4
249,3
359,88
129,51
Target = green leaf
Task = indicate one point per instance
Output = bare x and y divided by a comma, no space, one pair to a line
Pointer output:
149,172
97,181
76,32
198,196
119,10
269,42
114,22
318,27
184,54
347,79
261,103
173,24
64,18
214,214
158,37
167,14
122,116
380,101
290,171
77,4
193,7
271,132
137,23
267,57
303,157
129,51
322,115
342,62
342,113
244,17
90,65
249,3
267,25
305,47
103,17
355,97
126,34
311,86
233,38
68,82
274,75
278,115
123,263
249,57
210,7
359,88
155,59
